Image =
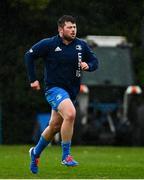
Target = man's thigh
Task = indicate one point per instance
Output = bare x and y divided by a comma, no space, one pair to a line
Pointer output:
66,108
55,96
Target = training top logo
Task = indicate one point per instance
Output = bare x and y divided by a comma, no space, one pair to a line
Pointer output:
78,47
31,50
58,97
58,49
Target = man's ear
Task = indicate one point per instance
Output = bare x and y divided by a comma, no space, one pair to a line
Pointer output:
60,29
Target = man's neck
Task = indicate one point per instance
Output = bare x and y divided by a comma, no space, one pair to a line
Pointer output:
66,42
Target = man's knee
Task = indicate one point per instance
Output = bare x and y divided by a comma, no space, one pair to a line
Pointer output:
67,110
70,115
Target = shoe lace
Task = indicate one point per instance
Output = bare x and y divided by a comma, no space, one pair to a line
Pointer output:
69,158
35,162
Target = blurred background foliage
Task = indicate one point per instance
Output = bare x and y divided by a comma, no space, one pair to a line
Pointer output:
24,22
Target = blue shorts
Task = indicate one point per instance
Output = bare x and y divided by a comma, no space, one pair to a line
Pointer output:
55,96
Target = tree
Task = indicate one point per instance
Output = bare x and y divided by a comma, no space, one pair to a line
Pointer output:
25,22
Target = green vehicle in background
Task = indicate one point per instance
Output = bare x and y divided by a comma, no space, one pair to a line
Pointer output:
113,97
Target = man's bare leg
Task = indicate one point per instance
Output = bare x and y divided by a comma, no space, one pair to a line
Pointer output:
68,112
54,126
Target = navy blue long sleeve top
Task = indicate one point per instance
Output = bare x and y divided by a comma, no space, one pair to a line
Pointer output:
61,62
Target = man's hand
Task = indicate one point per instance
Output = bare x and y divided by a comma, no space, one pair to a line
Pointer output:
84,66
35,85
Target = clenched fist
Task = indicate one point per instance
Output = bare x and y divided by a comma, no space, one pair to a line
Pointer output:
84,66
35,85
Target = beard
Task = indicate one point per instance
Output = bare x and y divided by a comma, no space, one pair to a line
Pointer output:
69,38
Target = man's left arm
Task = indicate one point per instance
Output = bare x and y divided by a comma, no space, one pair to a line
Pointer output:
89,61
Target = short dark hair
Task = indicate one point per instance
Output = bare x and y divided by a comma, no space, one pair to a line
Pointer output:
66,18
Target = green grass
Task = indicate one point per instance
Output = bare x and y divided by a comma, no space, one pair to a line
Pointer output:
95,163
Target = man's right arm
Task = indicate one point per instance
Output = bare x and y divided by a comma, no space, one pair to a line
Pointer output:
38,50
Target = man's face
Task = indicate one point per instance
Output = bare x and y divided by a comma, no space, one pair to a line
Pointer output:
68,31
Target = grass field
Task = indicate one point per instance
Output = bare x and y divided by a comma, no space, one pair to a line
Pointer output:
95,163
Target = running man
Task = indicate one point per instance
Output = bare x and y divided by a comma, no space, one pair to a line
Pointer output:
64,56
